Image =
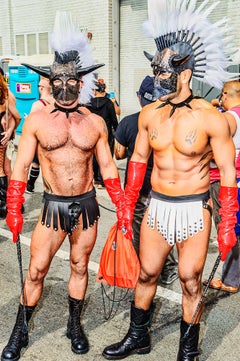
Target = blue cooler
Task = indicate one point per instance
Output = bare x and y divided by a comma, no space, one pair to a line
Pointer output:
23,83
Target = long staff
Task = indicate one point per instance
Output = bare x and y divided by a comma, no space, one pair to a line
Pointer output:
19,256
203,298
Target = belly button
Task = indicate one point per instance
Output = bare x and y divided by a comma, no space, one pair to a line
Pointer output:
49,147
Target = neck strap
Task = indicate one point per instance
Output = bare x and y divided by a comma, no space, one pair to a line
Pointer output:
66,110
184,103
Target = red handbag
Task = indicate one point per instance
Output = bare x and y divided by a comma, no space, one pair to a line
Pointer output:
119,264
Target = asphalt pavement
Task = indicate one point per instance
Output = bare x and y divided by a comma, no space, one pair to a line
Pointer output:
220,328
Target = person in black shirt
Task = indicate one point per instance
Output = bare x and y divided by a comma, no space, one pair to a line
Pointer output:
104,107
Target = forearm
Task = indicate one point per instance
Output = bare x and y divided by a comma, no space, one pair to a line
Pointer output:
120,151
228,177
21,168
108,169
11,125
13,110
25,155
116,107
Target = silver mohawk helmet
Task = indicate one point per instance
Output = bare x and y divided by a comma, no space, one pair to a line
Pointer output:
72,52
195,43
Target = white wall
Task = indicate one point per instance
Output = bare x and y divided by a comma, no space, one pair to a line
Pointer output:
30,16
122,54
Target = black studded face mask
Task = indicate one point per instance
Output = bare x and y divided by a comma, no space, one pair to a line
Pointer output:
65,83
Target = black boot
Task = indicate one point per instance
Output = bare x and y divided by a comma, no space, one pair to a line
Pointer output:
188,345
19,336
3,196
137,340
74,329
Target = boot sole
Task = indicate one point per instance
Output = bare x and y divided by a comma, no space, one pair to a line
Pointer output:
140,351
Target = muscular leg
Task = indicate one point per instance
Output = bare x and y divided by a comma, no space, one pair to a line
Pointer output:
81,245
45,243
191,259
153,252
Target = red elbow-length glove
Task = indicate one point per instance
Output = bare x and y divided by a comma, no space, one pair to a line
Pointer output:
228,197
135,177
114,189
15,201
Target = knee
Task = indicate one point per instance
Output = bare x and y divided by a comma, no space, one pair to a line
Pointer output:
79,267
146,277
35,275
191,284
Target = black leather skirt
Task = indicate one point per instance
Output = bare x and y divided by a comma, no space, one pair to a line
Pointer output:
67,210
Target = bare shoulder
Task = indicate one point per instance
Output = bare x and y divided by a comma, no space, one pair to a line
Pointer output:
34,119
84,110
38,105
148,113
201,103
211,119
96,120
203,106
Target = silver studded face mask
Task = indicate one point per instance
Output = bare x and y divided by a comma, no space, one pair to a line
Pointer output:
165,86
167,64
165,81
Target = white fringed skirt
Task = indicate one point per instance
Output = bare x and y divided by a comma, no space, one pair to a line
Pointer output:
176,218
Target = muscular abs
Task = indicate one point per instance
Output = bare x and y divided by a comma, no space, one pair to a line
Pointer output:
181,153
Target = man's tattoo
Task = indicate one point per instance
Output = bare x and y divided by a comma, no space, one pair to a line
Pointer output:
204,162
191,137
154,134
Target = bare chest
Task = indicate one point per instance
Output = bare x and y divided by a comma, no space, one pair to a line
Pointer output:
62,132
180,133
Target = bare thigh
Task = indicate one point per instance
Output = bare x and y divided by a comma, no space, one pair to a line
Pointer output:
192,252
153,250
45,242
82,243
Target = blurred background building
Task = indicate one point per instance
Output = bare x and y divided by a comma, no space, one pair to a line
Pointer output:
114,28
